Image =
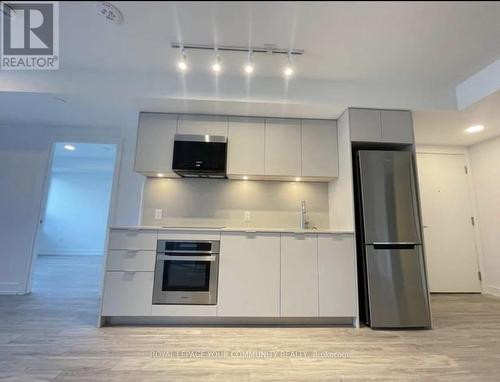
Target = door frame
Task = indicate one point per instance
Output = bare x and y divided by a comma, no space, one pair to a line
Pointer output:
462,150
46,184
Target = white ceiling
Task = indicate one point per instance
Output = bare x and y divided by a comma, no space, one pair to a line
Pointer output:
407,55
410,42
448,127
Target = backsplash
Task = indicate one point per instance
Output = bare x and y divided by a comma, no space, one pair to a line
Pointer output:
206,202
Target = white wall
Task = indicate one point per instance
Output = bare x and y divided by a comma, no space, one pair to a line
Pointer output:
485,159
76,215
24,156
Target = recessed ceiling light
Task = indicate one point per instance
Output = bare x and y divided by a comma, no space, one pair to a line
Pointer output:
69,147
160,175
245,177
297,179
474,129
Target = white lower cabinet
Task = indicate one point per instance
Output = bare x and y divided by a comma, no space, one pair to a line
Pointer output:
131,260
249,275
127,294
337,276
299,275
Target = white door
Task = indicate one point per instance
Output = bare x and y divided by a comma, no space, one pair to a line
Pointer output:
448,231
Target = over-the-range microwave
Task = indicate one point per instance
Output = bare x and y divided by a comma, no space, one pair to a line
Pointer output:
200,156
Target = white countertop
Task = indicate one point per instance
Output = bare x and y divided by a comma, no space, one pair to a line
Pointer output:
232,229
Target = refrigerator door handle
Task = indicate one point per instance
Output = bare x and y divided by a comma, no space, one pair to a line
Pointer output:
394,245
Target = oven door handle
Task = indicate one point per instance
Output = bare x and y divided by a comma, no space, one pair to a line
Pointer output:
181,251
186,258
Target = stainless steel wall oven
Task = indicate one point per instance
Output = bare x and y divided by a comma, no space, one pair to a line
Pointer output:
186,272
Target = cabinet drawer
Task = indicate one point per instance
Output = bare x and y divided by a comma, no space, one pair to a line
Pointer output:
128,294
131,260
134,240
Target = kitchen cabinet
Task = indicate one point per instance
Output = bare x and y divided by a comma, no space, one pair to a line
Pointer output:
202,125
319,149
283,148
155,144
365,125
246,147
381,126
397,126
132,239
299,275
259,148
131,260
337,276
249,275
127,294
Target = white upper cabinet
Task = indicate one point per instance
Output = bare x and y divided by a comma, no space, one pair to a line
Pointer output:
365,125
299,275
246,147
260,148
155,143
319,149
397,126
283,148
388,126
202,125
249,275
337,276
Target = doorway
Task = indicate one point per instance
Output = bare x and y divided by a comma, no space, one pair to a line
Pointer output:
72,231
448,226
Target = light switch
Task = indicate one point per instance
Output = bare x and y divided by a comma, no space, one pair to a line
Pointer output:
248,216
158,214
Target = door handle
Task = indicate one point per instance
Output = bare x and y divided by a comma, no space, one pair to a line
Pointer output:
186,258
394,245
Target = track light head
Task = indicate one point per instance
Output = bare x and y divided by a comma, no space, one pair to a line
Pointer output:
216,66
249,65
288,71
182,64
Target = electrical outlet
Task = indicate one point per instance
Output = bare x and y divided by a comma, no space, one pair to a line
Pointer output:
248,216
158,214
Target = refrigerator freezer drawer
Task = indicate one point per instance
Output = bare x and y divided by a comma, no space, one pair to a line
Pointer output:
397,289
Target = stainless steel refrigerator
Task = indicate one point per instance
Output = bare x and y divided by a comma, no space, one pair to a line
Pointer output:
395,282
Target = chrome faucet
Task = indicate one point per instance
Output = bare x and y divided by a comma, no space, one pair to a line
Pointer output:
304,222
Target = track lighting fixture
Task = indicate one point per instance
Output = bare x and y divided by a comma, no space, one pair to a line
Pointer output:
249,67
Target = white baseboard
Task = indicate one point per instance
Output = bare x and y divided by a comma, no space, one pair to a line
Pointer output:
11,288
72,252
491,289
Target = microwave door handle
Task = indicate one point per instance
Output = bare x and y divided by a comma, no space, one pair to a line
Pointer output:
186,258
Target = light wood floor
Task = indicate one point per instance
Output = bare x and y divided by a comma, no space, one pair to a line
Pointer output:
51,336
